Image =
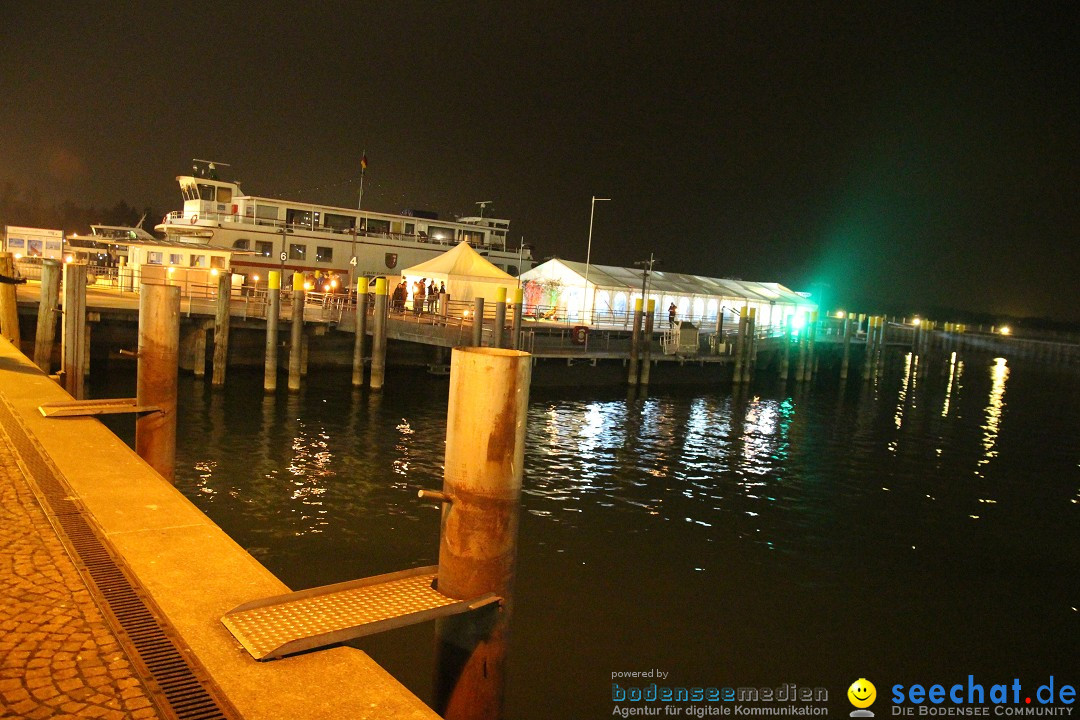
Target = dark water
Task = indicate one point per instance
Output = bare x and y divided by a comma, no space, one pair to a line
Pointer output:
914,531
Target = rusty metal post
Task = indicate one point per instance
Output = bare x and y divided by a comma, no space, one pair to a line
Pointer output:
296,340
478,322
498,328
73,343
378,337
273,311
635,344
485,448
221,328
9,307
159,355
515,325
45,333
361,333
646,342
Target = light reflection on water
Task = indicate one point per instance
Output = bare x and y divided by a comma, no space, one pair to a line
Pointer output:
726,537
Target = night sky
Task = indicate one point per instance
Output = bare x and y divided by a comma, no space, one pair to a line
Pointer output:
900,156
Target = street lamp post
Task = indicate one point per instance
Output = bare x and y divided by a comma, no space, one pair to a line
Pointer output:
588,257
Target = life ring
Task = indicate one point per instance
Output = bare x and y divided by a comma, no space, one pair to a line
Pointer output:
579,334
194,219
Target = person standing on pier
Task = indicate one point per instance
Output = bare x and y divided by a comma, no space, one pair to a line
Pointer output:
431,296
671,314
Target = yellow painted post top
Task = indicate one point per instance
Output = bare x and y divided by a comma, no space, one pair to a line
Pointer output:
862,317
297,281
813,316
380,286
753,313
361,285
519,296
274,281
638,302
652,306
500,294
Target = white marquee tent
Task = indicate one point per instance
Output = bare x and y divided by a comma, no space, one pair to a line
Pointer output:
467,274
609,295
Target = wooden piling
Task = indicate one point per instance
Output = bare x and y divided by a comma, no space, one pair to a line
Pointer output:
499,326
378,337
846,361
646,342
73,343
221,329
883,326
785,355
485,448
515,325
296,338
750,347
45,333
305,345
86,349
199,367
800,368
868,364
635,344
9,301
811,340
740,345
478,322
273,312
361,332
159,352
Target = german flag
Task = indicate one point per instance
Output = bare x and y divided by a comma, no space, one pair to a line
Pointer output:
363,162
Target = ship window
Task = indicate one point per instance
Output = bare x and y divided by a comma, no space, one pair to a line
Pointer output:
14,243
224,195
441,234
241,244
176,259
206,192
512,270
342,223
266,212
473,237
198,261
324,254
297,251
264,248
153,258
298,217
410,228
217,261
378,226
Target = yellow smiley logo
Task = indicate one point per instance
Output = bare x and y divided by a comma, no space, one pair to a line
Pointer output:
862,693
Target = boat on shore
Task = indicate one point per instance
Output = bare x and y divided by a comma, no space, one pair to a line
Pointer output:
276,234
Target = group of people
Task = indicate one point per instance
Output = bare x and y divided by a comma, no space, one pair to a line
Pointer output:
424,295
327,282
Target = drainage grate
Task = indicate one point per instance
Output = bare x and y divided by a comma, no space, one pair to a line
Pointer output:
177,683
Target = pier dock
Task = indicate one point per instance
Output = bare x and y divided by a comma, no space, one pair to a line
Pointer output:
114,586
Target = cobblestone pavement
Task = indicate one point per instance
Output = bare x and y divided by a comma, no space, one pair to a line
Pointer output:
58,657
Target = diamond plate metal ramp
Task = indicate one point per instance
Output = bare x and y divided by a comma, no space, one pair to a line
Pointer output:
315,618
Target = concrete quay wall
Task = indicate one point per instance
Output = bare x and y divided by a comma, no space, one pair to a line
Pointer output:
193,571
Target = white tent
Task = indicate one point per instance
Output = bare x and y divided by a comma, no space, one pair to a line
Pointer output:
467,274
608,296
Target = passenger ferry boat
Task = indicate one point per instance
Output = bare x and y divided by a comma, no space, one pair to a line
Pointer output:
285,235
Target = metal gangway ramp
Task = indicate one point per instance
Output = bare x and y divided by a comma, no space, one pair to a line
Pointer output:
315,618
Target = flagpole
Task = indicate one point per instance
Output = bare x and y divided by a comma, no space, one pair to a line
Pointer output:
363,167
